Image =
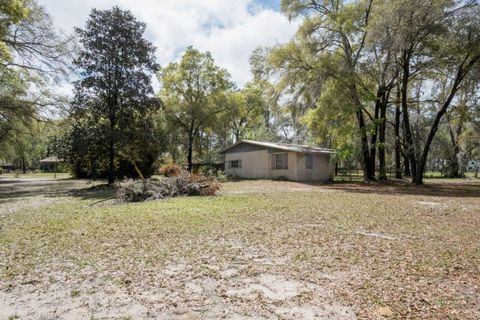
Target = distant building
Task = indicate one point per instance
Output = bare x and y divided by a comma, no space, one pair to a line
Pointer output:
7,167
267,160
473,165
50,164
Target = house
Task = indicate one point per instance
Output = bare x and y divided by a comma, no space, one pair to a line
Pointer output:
267,160
473,165
50,164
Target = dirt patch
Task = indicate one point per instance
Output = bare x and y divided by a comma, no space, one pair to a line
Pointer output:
270,287
377,235
308,312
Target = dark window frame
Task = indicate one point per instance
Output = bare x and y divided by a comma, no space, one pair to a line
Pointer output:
235,164
280,163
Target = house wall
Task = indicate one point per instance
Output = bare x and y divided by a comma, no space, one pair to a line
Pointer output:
322,169
254,164
290,173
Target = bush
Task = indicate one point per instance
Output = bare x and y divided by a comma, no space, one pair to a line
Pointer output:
184,184
170,170
221,176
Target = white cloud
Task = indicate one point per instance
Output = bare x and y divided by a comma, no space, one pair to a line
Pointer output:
230,29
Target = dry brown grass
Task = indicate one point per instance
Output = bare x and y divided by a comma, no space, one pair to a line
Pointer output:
261,249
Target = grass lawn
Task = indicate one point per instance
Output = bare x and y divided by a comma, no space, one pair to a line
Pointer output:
259,250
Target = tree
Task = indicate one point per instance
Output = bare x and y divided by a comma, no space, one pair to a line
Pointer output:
244,113
33,58
366,50
439,38
29,144
114,102
192,93
338,30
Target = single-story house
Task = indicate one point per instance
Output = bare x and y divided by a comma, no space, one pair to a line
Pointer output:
50,164
267,160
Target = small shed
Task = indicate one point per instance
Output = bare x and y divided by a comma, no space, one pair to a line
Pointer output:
267,160
50,164
7,167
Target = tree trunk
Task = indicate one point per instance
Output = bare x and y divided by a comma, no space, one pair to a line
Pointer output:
409,143
462,71
111,162
368,174
382,174
398,147
373,139
190,152
454,164
406,166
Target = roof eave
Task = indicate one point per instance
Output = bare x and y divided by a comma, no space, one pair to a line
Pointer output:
284,148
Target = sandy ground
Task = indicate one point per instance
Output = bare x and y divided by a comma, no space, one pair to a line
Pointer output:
223,291
221,276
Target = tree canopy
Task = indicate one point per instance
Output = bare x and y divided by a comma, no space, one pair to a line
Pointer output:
192,93
114,101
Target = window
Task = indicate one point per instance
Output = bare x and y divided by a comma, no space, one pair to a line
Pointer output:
235,164
308,161
280,160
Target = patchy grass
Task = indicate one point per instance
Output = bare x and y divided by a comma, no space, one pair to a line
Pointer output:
261,249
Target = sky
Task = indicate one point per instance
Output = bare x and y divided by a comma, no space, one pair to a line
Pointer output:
229,29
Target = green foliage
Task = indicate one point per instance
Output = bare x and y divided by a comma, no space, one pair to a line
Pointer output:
193,94
332,122
30,144
12,12
244,112
33,57
110,124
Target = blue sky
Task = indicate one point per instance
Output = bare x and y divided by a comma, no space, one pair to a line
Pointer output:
230,29
273,4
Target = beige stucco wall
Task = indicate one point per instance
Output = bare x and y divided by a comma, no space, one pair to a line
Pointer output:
322,169
254,164
257,165
290,173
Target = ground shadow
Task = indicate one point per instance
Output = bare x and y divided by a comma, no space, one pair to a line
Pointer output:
12,189
98,192
436,189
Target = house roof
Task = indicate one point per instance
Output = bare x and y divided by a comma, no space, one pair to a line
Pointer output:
282,146
50,160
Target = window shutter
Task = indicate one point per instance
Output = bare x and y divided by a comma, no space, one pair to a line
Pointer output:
285,160
273,160
239,163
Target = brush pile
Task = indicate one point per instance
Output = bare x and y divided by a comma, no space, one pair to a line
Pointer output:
183,184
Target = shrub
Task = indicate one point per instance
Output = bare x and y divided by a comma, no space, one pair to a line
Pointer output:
184,184
221,176
170,170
